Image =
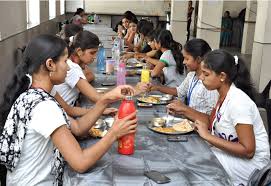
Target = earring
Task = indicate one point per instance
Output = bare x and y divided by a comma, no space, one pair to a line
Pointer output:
222,80
50,74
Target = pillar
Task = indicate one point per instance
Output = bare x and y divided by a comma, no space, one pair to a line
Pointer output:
209,22
261,55
178,20
249,27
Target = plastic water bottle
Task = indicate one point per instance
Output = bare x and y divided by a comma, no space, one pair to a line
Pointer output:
121,44
101,59
116,53
121,72
96,19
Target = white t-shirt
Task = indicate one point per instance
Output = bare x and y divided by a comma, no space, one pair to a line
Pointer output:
201,99
136,39
34,166
68,90
239,108
172,78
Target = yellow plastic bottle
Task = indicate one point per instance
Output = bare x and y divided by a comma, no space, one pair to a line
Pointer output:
145,74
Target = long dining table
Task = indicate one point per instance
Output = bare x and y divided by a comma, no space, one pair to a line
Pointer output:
185,163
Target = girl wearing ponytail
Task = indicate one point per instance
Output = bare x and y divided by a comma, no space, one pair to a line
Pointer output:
36,133
70,31
82,50
237,133
171,61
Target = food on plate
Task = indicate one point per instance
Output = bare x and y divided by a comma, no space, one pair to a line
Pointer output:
97,133
150,99
183,126
164,129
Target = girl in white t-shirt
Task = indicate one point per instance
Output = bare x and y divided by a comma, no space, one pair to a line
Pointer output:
131,39
36,134
238,136
70,31
170,63
83,50
196,100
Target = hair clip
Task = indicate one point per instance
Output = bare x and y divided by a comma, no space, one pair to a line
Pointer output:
236,59
71,39
30,80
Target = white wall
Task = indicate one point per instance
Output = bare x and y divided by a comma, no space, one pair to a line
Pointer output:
138,7
12,20
234,7
44,11
72,5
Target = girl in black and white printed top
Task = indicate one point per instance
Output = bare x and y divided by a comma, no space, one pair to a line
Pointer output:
36,134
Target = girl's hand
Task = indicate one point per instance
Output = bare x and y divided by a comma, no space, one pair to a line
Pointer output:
118,93
202,129
139,55
143,87
177,107
124,126
147,59
110,111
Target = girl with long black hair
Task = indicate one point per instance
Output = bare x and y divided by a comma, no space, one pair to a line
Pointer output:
36,133
238,136
82,49
194,99
171,61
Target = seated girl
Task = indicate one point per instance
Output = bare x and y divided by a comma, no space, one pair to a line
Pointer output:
195,99
70,31
154,53
37,137
238,136
83,50
170,64
132,37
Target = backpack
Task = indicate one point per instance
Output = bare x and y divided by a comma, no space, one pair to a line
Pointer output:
260,177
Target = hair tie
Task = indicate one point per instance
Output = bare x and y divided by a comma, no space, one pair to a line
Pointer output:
236,59
30,80
71,39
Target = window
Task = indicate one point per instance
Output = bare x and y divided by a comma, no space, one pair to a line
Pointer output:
32,13
52,9
62,7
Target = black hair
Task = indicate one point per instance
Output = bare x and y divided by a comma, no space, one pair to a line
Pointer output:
165,39
237,72
129,15
144,26
152,34
35,55
84,40
134,20
117,25
79,11
197,48
71,30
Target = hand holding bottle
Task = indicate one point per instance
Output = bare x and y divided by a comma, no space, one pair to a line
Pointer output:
124,126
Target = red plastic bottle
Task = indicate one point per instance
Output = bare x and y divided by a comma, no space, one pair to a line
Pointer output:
127,142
